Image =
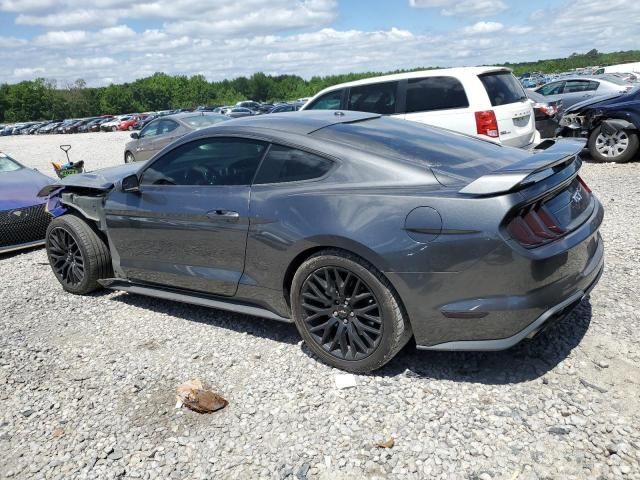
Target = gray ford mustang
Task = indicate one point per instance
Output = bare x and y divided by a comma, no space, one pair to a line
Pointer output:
362,230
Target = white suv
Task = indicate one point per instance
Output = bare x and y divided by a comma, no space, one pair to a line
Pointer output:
484,101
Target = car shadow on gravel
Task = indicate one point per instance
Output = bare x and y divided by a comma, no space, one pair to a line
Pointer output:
524,362
15,253
259,327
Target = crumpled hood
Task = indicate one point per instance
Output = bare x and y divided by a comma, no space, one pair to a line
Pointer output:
103,179
19,188
595,102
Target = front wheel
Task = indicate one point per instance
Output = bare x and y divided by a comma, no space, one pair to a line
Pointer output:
129,158
619,147
347,312
77,255
114,129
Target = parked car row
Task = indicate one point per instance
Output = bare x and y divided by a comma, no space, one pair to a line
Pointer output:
137,121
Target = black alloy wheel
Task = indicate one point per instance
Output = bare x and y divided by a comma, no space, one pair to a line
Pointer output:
66,257
347,312
342,313
78,256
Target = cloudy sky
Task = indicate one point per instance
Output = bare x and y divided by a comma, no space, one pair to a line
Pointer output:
113,41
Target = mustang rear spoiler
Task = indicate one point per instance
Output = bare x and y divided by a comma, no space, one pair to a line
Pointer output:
547,155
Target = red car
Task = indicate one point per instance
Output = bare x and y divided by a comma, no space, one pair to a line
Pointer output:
128,122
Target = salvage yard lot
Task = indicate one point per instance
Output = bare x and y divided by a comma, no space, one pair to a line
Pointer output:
87,384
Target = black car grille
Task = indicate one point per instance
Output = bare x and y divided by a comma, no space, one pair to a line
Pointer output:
30,225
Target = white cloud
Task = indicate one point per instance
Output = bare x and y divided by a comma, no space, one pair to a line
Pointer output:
476,8
480,28
11,42
89,62
119,32
80,18
220,39
519,29
27,73
25,5
60,39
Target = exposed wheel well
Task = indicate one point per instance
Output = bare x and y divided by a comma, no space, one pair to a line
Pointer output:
303,256
293,268
92,223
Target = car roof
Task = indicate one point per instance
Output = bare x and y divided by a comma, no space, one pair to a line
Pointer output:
438,72
181,115
301,123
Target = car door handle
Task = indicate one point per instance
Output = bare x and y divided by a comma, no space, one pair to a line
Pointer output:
223,214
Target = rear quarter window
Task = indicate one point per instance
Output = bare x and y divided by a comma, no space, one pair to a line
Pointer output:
435,93
284,164
502,88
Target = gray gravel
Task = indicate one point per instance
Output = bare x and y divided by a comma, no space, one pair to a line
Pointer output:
87,384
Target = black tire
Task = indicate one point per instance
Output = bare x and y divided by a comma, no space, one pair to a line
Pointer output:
90,251
394,331
595,142
129,158
114,129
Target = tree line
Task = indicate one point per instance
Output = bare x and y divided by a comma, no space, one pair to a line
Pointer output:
43,99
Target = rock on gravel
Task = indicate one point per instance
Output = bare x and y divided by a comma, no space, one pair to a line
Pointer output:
87,384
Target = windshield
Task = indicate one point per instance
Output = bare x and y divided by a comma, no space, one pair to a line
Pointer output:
200,121
7,164
502,88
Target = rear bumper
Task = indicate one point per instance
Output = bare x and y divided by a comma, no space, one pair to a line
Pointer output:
505,295
555,313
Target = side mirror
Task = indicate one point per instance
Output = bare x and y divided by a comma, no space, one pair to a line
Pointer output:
130,184
135,135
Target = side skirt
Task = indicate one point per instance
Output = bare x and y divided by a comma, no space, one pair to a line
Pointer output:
192,298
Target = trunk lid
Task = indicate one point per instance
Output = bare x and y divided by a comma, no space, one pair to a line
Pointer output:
551,158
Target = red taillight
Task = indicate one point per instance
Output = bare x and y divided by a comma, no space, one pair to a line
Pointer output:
584,185
487,124
548,110
534,227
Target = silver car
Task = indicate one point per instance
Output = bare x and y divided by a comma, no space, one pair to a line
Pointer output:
164,130
579,88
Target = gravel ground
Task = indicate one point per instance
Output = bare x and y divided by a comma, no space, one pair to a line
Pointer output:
87,384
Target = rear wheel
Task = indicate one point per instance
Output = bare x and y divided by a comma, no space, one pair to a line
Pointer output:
347,312
619,147
77,255
114,129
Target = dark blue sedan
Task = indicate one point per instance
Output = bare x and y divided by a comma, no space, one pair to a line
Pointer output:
23,218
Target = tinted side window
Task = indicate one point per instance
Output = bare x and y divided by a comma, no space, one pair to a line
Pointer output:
210,161
502,88
551,88
283,164
375,98
435,93
166,126
329,101
573,86
150,130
